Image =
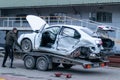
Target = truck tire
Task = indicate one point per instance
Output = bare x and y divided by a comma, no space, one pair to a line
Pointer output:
29,62
67,66
42,64
26,45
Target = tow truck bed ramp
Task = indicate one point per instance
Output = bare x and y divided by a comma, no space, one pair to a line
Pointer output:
33,57
55,58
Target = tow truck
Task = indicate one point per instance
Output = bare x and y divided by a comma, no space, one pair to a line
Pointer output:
47,61
64,41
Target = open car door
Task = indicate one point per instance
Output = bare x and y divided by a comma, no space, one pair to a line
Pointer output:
67,39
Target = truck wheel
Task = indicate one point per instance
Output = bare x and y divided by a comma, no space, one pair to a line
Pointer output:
26,45
29,62
42,64
67,66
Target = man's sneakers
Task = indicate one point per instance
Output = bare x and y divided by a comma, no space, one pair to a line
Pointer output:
12,67
3,66
9,67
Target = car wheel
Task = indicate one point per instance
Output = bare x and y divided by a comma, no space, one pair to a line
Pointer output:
42,64
29,62
26,45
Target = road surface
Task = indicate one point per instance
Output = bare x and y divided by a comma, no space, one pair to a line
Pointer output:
78,73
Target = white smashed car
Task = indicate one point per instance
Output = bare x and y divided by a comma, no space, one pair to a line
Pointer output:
68,40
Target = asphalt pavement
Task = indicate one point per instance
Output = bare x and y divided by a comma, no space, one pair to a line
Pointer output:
77,72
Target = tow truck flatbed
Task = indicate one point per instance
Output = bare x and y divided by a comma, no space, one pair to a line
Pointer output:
46,60
51,58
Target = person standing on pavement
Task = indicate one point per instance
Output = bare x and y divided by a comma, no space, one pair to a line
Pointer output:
10,38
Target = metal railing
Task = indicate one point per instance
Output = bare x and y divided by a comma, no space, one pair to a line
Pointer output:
22,22
13,22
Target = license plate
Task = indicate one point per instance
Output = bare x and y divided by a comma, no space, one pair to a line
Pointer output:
96,65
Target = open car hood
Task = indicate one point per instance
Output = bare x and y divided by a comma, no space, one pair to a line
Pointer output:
36,23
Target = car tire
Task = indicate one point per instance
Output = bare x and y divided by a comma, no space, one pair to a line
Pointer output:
26,45
42,64
29,62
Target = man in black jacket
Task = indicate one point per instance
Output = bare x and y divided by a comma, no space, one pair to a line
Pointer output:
10,38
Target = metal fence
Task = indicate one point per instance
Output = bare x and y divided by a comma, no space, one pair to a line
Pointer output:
21,21
51,20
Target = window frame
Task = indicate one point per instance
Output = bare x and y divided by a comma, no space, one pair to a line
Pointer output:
53,27
105,17
63,27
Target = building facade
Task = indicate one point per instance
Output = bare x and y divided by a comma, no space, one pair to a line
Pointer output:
103,11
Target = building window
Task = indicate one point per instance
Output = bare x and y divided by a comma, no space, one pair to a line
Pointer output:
21,17
104,17
53,18
57,17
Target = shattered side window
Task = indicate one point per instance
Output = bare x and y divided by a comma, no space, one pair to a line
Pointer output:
54,30
70,33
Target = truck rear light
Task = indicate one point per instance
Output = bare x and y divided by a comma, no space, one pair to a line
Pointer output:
102,64
88,66
106,63
101,42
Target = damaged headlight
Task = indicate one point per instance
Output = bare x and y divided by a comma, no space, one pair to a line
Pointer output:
92,56
99,42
